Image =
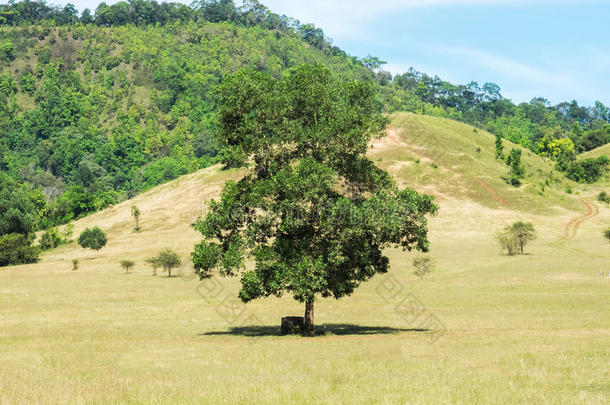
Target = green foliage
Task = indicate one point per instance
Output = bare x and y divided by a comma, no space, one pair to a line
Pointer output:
161,171
19,207
516,171
135,213
603,197
607,234
499,147
92,238
75,264
54,237
314,213
514,237
127,265
167,258
50,239
17,248
155,263
7,50
587,170
423,266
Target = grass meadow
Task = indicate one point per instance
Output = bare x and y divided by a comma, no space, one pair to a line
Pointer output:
482,328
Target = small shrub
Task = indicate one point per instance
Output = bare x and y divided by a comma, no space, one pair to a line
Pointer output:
7,50
607,234
423,266
74,264
603,197
93,238
50,239
478,150
127,265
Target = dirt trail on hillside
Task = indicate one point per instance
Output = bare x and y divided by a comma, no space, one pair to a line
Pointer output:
491,191
571,228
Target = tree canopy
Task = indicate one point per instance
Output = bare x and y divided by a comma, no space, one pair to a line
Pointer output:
313,212
92,238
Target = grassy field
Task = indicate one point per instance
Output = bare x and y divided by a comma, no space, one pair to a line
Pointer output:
482,328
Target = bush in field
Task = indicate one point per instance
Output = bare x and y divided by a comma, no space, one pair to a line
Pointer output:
93,238
135,212
514,237
603,197
607,234
127,265
74,264
168,259
50,239
16,248
423,266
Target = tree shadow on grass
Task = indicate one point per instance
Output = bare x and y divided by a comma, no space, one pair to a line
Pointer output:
337,329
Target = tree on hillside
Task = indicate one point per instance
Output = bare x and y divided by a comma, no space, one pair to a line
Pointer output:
516,171
93,238
314,213
167,258
499,147
154,262
135,212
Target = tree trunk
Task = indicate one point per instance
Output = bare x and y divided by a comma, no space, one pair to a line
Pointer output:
308,319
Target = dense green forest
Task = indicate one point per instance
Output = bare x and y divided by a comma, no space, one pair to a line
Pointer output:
98,106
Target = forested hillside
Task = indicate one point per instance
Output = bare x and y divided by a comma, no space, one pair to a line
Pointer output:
97,107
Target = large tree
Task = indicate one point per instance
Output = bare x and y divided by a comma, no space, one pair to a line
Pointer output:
313,212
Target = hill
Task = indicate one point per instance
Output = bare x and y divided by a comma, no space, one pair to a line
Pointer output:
492,328
97,108
597,152
433,155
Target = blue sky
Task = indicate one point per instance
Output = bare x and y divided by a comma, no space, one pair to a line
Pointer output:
558,49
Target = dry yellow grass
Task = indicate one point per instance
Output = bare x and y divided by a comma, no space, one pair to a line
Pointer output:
525,329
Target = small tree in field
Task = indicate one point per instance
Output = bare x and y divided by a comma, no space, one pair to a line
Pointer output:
423,266
93,238
127,265
135,212
168,259
314,213
514,237
523,232
154,262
